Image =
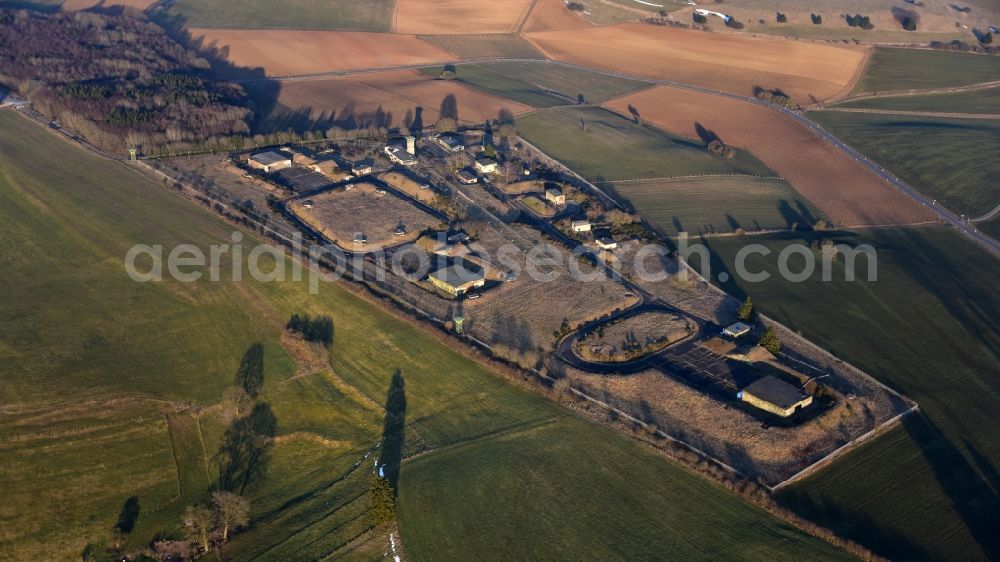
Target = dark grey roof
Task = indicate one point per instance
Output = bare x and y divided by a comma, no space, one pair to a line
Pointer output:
776,391
458,275
269,157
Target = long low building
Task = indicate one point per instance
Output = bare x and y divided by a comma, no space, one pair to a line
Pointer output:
776,396
269,161
457,279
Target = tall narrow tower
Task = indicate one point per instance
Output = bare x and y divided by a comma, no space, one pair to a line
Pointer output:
411,145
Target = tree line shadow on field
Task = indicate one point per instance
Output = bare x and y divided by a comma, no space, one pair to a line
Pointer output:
964,473
971,488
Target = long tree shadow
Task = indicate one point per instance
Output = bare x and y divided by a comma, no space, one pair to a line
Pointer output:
393,430
971,496
245,449
128,516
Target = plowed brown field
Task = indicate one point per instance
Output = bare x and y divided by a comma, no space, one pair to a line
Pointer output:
432,17
847,192
552,15
398,93
285,53
805,70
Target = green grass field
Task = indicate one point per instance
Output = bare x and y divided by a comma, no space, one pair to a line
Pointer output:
541,84
951,160
991,227
920,69
718,204
90,358
927,327
976,101
312,15
470,478
614,148
507,45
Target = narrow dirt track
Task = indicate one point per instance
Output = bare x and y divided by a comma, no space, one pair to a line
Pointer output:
913,113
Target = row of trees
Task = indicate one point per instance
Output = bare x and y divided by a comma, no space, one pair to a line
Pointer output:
212,524
775,96
857,20
319,329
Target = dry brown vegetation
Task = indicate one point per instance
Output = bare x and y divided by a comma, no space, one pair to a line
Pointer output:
289,53
400,94
341,214
843,189
731,63
520,316
733,435
634,336
458,16
408,186
552,15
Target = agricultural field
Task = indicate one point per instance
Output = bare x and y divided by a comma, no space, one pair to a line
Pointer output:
985,101
839,187
926,490
552,15
714,204
951,160
733,63
502,45
991,227
541,84
391,99
433,17
67,372
315,15
289,53
562,460
342,214
923,69
603,146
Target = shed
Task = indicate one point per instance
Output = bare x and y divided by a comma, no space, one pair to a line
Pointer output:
486,165
269,161
580,226
776,396
466,177
556,196
362,167
737,330
457,279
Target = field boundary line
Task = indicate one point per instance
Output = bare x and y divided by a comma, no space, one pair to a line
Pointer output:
853,82
204,450
515,430
877,431
173,452
696,176
918,92
907,113
522,18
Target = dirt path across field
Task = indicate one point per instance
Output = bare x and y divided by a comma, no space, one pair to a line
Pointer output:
904,93
913,113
